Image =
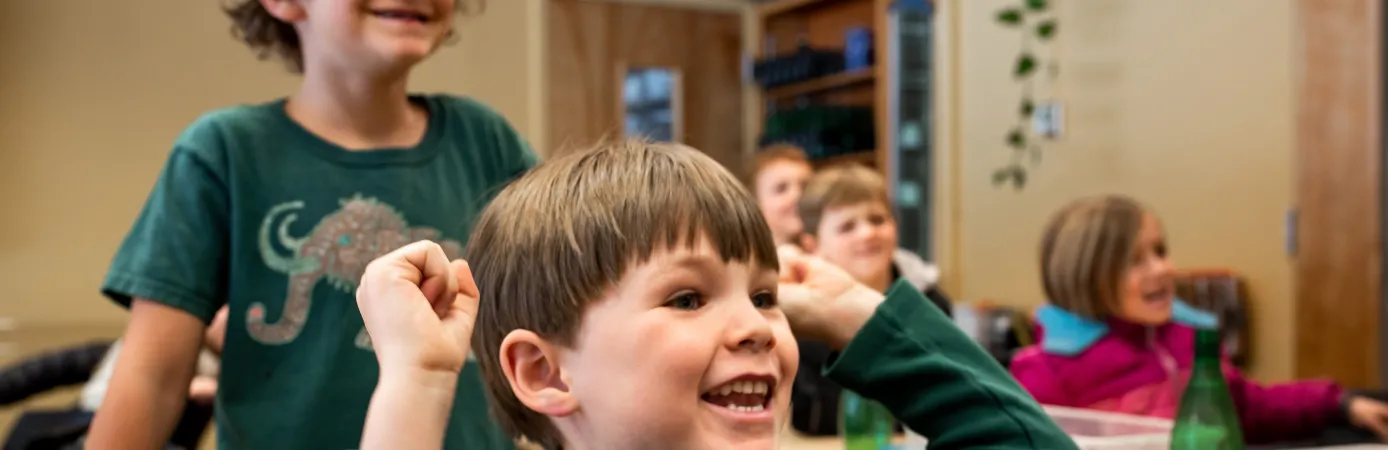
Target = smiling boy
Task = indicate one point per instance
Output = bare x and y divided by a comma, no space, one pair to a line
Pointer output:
630,298
274,210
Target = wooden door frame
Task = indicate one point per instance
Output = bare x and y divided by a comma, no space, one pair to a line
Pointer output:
606,65
1339,245
1382,86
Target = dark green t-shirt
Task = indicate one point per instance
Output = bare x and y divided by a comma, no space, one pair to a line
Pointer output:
255,212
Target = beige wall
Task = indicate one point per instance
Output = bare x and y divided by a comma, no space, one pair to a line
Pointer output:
1184,104
92,93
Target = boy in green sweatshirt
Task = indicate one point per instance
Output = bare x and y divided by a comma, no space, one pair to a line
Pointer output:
631,297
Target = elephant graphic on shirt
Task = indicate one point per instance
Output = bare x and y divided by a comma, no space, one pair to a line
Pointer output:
335,252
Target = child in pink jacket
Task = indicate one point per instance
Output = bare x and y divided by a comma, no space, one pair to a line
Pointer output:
1115,338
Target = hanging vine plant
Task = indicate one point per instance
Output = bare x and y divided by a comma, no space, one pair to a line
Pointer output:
1037,25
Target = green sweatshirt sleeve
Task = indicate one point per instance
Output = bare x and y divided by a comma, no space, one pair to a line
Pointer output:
911,358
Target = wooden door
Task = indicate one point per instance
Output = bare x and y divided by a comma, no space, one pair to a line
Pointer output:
1339,190
598,51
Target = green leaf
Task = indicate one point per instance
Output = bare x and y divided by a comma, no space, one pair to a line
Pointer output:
1037,5
1027,108
1016,139
1002,175
1026,64
1046,30
1010,16
1012,173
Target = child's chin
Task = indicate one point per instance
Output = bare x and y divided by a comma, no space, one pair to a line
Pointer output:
1157,315
410,56
405,51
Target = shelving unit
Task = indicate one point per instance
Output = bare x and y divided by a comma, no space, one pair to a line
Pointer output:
867,158
785,6
782,25
822,84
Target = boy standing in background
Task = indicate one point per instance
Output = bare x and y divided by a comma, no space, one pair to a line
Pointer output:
275,209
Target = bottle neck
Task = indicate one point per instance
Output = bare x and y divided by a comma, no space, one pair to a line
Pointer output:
1208,346
1206,362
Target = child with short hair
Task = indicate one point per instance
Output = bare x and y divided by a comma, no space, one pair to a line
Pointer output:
630,298
274,210
1114,336
848,222
779,173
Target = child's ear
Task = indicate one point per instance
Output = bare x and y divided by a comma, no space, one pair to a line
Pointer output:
808,243
288,11
531,364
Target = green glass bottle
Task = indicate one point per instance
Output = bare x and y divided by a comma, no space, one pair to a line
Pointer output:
864,424
1207,418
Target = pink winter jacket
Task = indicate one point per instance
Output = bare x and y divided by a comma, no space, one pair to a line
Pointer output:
1123,367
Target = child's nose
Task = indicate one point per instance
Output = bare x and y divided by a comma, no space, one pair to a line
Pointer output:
750,330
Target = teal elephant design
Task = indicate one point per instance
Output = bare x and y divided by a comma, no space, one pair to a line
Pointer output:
336,251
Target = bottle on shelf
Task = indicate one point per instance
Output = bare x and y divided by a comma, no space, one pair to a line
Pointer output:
1207,418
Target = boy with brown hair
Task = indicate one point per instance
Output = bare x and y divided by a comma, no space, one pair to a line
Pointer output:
274,210
848,222
630,298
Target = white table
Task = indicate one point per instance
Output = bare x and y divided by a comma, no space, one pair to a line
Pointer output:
1092,430
794,441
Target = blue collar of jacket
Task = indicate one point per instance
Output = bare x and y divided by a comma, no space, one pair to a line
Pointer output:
1069,334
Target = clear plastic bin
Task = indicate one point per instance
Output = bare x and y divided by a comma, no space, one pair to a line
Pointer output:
1098,430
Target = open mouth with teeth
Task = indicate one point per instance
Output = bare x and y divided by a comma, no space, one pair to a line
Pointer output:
744,394
400,15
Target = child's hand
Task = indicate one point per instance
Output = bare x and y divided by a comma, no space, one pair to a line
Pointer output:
216,332
821,300
1369,414
203,389
419,309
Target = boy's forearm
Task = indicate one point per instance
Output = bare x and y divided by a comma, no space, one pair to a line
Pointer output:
913,360
149,386
850,313
409,410
137,414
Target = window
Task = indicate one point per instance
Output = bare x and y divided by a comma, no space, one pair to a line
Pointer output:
650,97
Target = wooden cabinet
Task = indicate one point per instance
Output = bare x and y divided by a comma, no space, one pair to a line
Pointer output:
783,26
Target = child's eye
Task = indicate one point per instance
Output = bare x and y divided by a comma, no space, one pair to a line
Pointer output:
764,300
687,300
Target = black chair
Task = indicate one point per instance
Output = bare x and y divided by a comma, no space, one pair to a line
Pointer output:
65,429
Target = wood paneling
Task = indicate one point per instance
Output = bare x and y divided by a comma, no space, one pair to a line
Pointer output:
1339,191
589,45
821,27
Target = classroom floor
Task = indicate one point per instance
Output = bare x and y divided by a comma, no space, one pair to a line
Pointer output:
23,342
